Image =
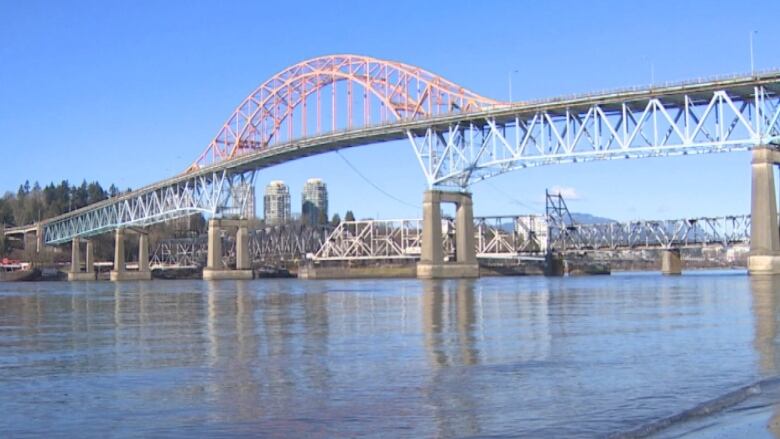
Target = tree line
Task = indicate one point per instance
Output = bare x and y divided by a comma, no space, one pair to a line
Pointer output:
33,203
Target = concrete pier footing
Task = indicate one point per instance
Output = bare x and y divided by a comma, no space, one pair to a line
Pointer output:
75,273
81,276
554,265
209,274
119,276
432,264
215,267
671,264
120,272
764,234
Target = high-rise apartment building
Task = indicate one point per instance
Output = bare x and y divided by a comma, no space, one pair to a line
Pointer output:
314,202
276,203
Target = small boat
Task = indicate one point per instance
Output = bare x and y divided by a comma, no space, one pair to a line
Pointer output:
16,271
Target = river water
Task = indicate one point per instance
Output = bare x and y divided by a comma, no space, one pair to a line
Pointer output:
497,357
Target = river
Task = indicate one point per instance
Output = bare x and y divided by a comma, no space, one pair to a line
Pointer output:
574,357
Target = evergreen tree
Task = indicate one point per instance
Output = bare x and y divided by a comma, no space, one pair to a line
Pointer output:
95,193
34,203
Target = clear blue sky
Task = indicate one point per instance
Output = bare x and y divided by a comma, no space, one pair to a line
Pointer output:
132,91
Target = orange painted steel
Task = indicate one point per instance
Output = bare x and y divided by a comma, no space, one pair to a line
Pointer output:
364,91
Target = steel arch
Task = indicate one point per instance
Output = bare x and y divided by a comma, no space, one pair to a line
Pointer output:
278,107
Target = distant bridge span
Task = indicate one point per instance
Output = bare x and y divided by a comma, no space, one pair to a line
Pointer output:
458,137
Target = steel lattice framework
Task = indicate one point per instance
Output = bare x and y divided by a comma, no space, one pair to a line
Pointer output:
701,117
373,239
286,242
268,245
180,252
565,235
666,234
207,192
495,237
459,137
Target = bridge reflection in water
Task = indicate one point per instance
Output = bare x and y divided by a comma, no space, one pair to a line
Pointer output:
766,309
525,356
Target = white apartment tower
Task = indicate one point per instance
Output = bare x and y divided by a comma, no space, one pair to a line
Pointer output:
314,202
276,203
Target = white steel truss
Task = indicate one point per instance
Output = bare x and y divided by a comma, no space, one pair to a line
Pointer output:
210,193
179,252
373,239
725,231
635,124
268,245
495,237
508,236
285,242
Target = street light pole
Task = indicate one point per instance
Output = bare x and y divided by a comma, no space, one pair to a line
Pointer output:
752,59
510,86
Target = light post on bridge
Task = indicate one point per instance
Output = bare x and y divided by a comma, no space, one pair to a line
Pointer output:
510,83
752,58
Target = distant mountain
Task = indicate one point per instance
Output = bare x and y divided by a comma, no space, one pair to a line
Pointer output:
579,218
586,218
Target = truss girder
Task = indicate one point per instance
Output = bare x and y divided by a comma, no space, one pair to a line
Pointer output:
373,239
269,245
498,237
210,193
495,237
724,231
180,252
673,123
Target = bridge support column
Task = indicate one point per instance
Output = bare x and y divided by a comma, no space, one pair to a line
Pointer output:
671,264
554,265
242,248
215,268
39,242
75,255
764,234
432,265
75,273
143,253
89,259
33,243
120,272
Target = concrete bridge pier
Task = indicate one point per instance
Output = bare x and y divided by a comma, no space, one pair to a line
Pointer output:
764,234
671,263
33,241
554,265
215,267
432,264
120,272
75,273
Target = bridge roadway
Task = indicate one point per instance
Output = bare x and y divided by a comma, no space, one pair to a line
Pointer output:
458,146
